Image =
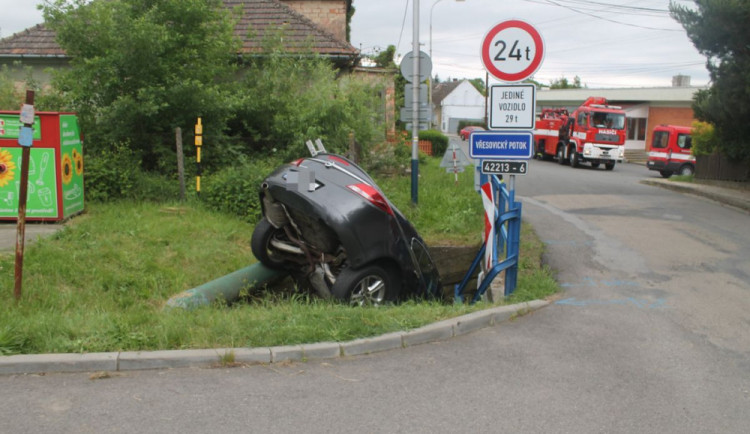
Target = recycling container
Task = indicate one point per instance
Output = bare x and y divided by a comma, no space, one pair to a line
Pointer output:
55,186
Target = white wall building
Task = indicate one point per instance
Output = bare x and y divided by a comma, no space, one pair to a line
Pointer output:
454,101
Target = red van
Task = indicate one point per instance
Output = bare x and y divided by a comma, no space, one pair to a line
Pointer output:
670,151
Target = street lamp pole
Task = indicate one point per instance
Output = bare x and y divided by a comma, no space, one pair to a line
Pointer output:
415,107
429,80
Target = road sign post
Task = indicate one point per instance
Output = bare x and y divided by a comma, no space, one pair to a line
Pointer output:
512,106
501,144
512,51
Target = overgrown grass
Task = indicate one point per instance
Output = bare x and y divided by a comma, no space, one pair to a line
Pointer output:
447,212
101,283
682,178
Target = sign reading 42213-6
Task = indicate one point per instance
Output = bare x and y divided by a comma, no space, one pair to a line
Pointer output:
512,51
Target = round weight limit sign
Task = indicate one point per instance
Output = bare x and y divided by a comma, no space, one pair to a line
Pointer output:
512,51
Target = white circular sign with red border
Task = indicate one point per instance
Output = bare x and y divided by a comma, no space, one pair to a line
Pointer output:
512,51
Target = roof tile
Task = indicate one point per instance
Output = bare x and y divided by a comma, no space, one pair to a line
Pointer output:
257,19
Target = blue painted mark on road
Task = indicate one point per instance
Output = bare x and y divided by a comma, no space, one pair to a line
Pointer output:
587,281
630,301
567,243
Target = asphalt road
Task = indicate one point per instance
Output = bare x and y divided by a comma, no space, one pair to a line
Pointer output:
651,335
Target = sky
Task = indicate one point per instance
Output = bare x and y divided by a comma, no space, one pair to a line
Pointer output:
607,43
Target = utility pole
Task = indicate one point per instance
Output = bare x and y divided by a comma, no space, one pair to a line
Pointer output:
415,108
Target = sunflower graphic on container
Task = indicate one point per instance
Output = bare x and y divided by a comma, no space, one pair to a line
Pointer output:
78,162
67,169
6,168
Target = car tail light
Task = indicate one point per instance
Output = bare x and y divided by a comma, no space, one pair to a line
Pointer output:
297,162
372,195
338,160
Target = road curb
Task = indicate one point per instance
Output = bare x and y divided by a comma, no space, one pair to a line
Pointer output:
721,195
169,359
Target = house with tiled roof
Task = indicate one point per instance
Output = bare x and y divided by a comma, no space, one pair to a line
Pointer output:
319,25
455,101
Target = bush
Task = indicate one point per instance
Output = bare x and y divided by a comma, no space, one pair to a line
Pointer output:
235,189
704,138
116,174
439,141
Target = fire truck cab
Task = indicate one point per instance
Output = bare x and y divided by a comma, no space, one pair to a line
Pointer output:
594,133
671,151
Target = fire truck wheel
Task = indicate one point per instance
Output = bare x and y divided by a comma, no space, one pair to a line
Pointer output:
574,160
560,155
685,170
609,166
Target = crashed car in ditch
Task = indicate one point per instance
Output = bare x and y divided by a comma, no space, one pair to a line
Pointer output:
328,224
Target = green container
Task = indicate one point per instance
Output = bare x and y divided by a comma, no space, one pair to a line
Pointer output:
55,187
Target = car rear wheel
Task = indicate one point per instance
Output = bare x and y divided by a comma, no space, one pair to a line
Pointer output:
371,285
260,243
686,170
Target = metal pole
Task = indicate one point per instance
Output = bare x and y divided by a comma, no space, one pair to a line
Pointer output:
180,162
429,80
415,108
22,194
198,144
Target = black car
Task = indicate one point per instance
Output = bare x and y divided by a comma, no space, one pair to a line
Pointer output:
328,224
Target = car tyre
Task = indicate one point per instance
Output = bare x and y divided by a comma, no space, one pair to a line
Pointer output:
371,285
260,244
685,170
665,173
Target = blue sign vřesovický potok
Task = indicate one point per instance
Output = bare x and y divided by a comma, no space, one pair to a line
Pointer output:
501,144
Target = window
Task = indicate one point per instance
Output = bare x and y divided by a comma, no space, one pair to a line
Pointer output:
583,120
684,141
660,139
636,128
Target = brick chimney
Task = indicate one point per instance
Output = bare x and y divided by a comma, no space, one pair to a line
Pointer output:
329,15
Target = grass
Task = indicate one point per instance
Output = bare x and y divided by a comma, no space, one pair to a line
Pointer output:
101,283
682,178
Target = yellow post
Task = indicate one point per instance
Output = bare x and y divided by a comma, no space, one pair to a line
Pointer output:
198,144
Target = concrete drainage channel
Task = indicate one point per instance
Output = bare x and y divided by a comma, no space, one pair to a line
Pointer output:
128,361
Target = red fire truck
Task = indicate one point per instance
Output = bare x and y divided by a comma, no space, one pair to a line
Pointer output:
593,133
670,151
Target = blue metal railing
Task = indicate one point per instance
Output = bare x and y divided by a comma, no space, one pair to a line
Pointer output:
507,241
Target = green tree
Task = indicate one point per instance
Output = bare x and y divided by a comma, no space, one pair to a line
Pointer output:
286,99
563,83
141,68
384,59
10,97
718,29
478,83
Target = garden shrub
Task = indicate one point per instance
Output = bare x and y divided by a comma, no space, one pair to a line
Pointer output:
439,141
117,174
234,189
704,138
